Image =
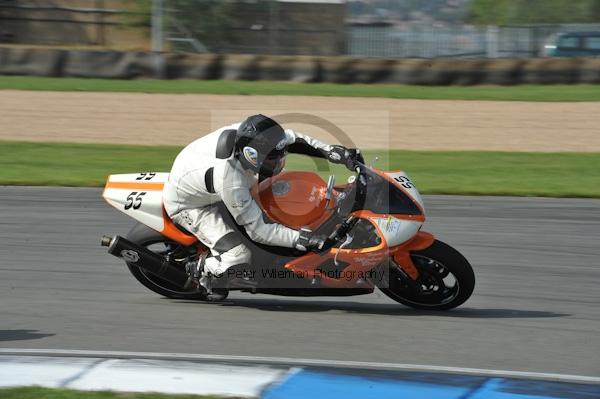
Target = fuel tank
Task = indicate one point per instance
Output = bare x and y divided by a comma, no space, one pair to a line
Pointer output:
294,199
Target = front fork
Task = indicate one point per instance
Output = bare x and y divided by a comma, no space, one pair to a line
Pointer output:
401,253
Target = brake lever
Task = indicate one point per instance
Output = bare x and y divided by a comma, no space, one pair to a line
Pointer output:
348,240
336,235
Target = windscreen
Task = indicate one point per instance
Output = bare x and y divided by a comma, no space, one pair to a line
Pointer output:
382,196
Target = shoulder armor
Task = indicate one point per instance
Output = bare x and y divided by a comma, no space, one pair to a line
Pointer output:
225,144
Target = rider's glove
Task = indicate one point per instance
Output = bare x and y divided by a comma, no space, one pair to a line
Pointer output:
307,241
342,155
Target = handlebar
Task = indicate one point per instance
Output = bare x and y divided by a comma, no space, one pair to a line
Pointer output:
348,221
339,233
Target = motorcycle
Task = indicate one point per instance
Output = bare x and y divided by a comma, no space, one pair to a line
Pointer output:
372,224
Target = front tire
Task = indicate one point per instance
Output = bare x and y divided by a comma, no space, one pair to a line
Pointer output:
151,239
446,279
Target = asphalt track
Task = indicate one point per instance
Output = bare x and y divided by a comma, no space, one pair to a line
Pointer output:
535,307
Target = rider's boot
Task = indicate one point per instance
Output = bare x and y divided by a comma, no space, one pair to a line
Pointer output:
196,271
236,277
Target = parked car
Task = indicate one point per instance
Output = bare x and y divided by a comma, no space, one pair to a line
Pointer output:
573,44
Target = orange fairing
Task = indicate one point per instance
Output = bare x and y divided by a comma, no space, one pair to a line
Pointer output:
401,253
421,241
172,232
295,199
135,185
361,261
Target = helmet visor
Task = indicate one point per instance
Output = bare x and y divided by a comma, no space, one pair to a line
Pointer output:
273,163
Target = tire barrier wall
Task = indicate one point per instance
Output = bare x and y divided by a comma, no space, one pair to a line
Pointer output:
131,65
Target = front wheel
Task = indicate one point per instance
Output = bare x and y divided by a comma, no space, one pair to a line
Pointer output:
446,279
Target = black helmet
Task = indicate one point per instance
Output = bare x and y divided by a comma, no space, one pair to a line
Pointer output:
261,145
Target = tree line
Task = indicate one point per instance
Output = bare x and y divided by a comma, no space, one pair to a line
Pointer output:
506,12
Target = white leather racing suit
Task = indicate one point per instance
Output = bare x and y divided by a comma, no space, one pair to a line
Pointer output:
201,178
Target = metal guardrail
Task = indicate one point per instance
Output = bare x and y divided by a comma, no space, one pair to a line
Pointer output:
377,41
41,7
460,41
55,17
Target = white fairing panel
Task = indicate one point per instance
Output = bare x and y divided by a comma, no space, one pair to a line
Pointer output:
146,177
403,181
139,196
396,231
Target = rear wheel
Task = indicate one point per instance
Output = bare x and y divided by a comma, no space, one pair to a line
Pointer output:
446,279
157,243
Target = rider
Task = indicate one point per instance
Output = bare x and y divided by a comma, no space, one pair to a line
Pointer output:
222,167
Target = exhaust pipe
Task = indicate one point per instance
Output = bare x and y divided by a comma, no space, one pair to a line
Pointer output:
146,260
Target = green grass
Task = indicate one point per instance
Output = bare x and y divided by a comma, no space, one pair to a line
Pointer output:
510,93
448,172
48,393
65,164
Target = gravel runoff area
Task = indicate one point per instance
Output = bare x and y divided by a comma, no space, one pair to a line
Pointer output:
369,122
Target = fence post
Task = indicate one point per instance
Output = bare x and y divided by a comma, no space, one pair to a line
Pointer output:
157,38
100,34
491,41
157,25
274,27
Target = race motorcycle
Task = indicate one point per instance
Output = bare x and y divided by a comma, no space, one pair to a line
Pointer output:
373,229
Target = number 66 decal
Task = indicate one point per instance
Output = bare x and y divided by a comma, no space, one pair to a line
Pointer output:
134,200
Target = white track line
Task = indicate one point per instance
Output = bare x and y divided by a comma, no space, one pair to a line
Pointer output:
138,375
286,361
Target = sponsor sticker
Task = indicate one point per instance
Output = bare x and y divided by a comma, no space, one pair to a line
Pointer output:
334,156
281,145
241,203
129,255
390,225
280,188
251,155
369,259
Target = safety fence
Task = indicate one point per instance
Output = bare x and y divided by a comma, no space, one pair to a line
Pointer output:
261,27
456,41
104,23
130,65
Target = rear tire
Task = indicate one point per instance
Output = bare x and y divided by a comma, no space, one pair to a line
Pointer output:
147,237
437,265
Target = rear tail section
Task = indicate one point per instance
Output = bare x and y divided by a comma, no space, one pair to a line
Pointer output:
139,196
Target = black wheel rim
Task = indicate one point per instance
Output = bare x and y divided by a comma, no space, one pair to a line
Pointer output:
436,284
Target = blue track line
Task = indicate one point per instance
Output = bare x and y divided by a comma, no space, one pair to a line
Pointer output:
327,385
